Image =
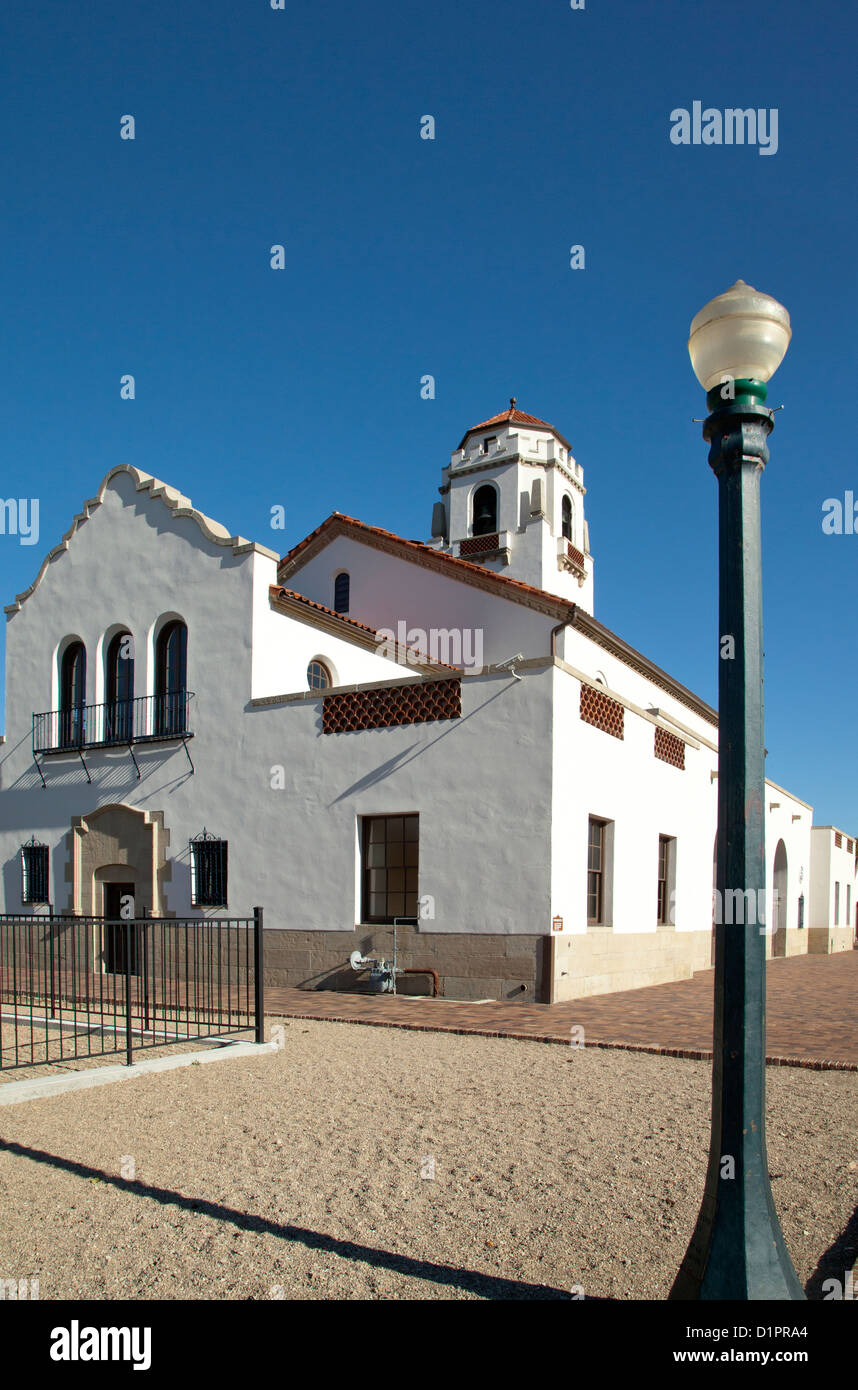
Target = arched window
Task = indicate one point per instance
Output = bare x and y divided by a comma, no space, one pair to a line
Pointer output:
171,679
119,688
485,511
566,515
318,676
73,696
342,586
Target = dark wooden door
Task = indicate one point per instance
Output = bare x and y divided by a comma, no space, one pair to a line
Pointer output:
120,940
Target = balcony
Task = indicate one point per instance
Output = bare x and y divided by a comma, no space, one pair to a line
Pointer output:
571,559
495,546
115,724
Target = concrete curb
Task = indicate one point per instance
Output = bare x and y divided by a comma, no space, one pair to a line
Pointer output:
16,1092
692,1053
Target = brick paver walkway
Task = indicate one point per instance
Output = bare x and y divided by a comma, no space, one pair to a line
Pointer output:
812,1014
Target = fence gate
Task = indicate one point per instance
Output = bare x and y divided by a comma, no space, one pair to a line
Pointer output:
73,987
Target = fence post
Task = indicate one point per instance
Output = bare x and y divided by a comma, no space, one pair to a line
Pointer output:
129,927
258,995
51,954
145,965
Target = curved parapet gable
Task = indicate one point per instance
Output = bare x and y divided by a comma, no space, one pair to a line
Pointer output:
179,505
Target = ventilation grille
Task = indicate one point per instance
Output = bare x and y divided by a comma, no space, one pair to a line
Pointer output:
399,704
601,711
669,748
479,545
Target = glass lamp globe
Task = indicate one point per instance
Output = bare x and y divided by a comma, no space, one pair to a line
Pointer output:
742,333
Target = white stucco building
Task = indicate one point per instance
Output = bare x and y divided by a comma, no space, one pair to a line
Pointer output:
373,728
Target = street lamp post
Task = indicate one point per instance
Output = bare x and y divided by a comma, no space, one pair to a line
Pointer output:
737,1250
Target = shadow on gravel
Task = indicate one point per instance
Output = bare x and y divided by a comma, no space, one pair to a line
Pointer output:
836,1260
489,1286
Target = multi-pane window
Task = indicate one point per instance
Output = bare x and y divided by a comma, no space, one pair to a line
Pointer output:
801,910
119,709
663,878
342,586
208,871
837,904
72,729
848,921
390,866
596,871
34,872
318,676
171,679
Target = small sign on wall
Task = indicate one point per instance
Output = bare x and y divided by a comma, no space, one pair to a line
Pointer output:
557,924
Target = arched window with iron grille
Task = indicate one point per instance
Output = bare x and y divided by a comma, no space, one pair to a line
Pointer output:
34,872
208,870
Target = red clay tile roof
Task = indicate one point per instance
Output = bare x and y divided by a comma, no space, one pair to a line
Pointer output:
280,591
514,590
276,590
510,588
514,417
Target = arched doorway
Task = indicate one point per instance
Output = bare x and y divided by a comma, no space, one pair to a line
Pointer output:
118,844
779,901
115,894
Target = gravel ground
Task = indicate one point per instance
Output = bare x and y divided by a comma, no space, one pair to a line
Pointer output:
553,1167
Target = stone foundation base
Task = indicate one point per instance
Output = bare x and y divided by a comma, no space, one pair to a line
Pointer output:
524,969
791,941
824,941
468,966
601,961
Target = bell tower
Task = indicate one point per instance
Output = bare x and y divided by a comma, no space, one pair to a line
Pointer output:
513,500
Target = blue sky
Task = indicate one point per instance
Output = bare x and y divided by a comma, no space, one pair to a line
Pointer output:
450,257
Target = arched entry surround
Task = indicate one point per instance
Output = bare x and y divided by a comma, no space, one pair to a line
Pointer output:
118,843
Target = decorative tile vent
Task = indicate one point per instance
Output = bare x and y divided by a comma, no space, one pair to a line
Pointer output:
838,840
669,748
601,711
479,545
574,555
848,846
397,704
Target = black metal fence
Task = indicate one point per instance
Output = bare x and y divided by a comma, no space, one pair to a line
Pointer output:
74,987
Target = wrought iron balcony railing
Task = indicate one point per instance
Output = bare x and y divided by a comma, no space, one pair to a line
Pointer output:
114,724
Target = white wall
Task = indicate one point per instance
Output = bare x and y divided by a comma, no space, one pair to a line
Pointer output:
623,782
292,847
284,645
503,793
788,819
831,865
386,590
